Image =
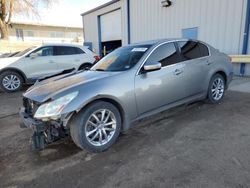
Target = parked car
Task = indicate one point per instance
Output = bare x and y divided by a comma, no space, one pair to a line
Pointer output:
129,84
31,64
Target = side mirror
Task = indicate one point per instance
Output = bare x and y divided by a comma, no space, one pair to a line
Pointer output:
33,55
152,66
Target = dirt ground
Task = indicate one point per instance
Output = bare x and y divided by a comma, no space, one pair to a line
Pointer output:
199,145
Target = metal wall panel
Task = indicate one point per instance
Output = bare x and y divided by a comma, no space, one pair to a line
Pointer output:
219,21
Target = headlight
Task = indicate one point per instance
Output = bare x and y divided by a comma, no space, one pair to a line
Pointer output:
54,108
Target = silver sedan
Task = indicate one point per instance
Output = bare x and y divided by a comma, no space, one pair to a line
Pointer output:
131,83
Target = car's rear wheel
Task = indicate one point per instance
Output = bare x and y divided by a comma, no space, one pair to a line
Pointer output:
11,81
96,127
216,89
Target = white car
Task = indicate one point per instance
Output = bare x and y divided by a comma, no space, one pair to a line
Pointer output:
37,62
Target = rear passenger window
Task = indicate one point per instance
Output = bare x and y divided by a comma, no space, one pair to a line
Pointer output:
203,49
67,50
79,51
192,50
166,54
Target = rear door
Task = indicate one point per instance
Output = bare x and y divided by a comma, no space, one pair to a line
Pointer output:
161,87
195,56
68,57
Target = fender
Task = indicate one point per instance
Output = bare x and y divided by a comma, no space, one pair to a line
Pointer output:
15,70
113,100
76,107
225,75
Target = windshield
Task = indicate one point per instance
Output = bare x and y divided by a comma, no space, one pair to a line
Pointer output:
121,59
19,54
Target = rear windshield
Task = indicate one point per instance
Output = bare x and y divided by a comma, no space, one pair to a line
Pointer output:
121,59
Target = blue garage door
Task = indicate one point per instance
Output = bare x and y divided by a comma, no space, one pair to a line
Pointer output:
191,33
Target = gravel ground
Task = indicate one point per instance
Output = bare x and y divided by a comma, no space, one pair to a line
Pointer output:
199,145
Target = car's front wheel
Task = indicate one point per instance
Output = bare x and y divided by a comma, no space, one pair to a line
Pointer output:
216,89
96,127
11,81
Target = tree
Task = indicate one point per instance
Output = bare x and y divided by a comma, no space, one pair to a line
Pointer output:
10,7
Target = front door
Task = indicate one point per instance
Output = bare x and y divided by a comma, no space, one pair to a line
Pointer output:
40,65
158,88
67,57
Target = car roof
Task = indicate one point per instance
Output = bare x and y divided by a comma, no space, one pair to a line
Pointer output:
159,41
61,44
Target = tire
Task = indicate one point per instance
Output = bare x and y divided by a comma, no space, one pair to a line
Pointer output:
216,89
85,66
80,126
8,86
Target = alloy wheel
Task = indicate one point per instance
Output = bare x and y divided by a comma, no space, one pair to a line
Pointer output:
100,127
218,89
11,82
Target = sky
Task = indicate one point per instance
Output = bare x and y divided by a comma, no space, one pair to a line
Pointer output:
62,12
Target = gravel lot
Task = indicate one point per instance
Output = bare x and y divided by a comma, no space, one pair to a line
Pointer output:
199,145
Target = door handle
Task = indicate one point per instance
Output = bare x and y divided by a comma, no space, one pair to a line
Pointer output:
77,60
51,61
178,71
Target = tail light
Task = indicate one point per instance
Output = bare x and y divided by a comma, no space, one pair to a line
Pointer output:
97,58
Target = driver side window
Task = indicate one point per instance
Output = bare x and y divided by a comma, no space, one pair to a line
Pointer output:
44,51
166,54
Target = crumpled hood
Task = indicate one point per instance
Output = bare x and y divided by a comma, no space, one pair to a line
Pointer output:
4,62
42,91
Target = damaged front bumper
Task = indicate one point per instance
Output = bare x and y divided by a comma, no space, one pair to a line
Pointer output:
44,133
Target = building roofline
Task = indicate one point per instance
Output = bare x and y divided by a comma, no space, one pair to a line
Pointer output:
45,25
100,7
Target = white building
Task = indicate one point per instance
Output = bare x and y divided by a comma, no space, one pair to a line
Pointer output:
35,32
222,23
